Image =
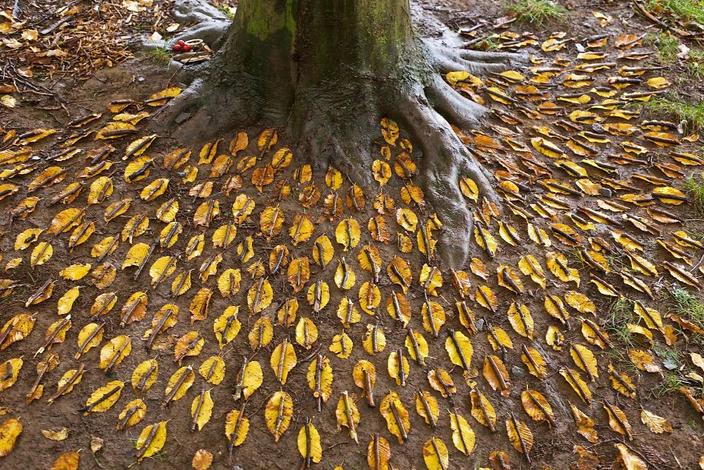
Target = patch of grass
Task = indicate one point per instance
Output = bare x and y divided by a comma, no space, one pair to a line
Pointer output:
160,55
666,45
688,10
695,66
695,189
688,306
671,357
537,11
620,314
670,383
673,106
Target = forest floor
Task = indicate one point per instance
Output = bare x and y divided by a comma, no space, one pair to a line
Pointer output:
140,276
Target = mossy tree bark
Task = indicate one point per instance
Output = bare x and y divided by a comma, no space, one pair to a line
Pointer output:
327,70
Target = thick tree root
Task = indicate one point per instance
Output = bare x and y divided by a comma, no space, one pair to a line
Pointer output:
445,161
334,125
202,21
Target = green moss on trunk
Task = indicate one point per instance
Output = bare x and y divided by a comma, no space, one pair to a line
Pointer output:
282,46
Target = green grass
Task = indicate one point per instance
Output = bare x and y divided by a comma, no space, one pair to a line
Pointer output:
619,315
674,107
536,11
666,45
671,357
695,190
670,383
689,306
695,65
688,10
160,55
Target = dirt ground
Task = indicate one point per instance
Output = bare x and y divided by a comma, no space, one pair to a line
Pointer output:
554,445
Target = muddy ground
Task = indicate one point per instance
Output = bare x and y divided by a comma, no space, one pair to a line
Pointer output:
554,446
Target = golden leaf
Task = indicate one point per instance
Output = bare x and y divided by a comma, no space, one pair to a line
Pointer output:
655,423
236,427
278,413
496,374
145,375
462,434
435,454
482,410
179,383
103,398
114,352
521,320
520,436
283,359
151,440
396,416
201,409
320,378
585,425
67,461
617,420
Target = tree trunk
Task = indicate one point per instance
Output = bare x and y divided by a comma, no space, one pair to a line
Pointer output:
327,71
286,47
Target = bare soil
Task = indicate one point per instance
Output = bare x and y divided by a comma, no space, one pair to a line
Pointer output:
554,447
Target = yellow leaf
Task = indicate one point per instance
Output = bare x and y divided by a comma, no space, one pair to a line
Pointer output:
75,272
482,410
617,420
628,459
145,375
309,444
202,460
278,413
114,352
65,303
236,427
41,254
283,359
585,425
151,440
104,398
341,345
427,407
9,371
132,414
580,387
159,99
260,295
655,423
348,233
460,349
435,454
201,410
320,378
179,383
396,416
462,434
67,461
520,436
306,333
521,320
537,407
496,374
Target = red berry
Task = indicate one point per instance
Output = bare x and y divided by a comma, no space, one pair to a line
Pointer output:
186,48
181,42
177,48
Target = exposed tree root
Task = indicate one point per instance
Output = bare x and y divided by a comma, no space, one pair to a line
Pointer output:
201,20
334,124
